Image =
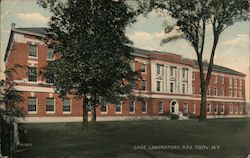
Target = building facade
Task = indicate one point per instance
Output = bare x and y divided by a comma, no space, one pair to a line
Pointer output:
169,84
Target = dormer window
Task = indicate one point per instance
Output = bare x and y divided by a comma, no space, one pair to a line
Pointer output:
50,54
32,50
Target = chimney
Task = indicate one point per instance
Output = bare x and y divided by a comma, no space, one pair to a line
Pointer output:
13,25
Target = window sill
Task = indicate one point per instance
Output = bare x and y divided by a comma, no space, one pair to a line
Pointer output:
50,112
66,112
31,57
32,112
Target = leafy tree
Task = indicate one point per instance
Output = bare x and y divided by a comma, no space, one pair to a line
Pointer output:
93,56
192,18
9,109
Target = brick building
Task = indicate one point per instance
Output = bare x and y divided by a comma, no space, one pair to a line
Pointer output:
170,83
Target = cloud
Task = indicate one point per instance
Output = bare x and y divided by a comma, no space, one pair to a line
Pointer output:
34,17
240,40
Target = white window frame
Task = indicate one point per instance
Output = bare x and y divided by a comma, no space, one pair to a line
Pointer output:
118,112
230,81
133,106
208,91
222,80
160,81
193,75
160,103
145,85
222,107
144,112
231,108
215,91
222,91
104,112
32,57
236,109
185,108
70,106
184,91
172,75
194,108
145,68
54,105
216,108
173,91
48,59
230,92
215,79
33,112
209,108
241,109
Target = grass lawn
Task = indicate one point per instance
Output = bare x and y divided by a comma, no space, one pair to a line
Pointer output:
125,139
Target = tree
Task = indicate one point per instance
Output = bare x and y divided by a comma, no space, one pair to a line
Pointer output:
192,18
9,109
93,54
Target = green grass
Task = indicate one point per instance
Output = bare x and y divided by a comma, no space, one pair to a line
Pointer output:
117,139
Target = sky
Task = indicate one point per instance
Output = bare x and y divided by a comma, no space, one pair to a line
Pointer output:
233,50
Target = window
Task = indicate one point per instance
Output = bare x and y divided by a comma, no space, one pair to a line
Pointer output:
143,85
240,82
183,88
230,81
221,91
131,105
215,91
241,108
50,105
31,104
172,71
50,79
235,82
171,87
222,108
230,92
215,79
231,108
66,105
216,108
236,108
208,108
32,74
159,69
208,90
118,108
143,68
50,54
32,50
222,80
194,108
158,86
240,94
104,109
193,76
193,90
160,107
144,107
185,108
235,93
184,73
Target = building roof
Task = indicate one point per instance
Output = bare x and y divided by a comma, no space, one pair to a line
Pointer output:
38,30
218,68
41,31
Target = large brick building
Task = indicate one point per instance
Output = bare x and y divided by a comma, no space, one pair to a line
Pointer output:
170,83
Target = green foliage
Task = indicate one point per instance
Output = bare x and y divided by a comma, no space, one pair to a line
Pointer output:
92,49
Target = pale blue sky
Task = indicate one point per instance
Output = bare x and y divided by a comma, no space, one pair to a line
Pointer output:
233,50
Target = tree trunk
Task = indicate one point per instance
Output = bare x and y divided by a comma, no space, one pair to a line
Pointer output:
85,113
203,110
93,117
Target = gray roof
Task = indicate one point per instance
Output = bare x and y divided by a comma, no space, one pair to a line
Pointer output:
217,68
39,30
